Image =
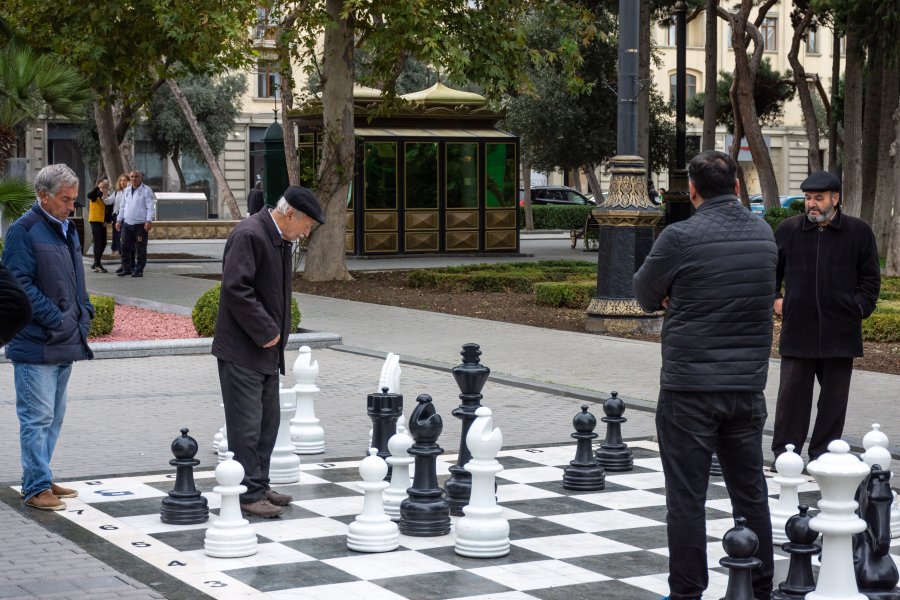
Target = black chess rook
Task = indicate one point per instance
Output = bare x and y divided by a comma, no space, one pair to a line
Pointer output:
740,545
426,512
614,454
801,547
384,409
584,473
184,504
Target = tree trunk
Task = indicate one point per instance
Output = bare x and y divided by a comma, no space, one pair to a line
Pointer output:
109,145
205,149
736,142
870,130
833,163
708,141
287,97
851,199
806,103
885,190
594,184
893,255
325,257
643,100
176,162
575,176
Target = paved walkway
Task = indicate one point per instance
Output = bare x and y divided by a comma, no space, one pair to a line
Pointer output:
124,412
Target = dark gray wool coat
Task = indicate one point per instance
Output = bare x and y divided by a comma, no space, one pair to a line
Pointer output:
718,271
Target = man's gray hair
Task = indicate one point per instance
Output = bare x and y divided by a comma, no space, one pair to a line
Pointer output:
52,177
283,206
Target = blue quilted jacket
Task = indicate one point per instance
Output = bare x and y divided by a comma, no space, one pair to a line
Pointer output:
49,267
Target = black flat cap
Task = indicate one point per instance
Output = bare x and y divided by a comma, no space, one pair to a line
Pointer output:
821,181
305,201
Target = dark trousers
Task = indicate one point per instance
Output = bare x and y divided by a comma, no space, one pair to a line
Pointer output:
98,231
252,416
690,426
134,247
116,245
794,404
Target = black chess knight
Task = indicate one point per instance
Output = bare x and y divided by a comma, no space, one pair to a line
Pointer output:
425,512
184,505
876,573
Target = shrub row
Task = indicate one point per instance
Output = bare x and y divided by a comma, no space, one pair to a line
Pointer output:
206,310
104,315
571,294
556,217
500,278
882,327
774,216
890,285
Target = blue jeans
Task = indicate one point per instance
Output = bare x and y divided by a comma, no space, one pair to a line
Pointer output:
41,406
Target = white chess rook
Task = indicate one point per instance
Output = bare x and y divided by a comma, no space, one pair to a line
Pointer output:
307,435
373,530
230,535
284,465
876,437
838,474
483,532
790,468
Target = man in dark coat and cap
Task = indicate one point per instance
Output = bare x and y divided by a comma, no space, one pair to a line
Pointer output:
828,265
252,328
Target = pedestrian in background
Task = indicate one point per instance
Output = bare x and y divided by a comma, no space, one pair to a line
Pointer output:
98,201
255,199
828,265
135,220
121,184
44,253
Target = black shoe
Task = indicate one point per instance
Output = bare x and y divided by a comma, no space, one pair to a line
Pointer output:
120,270
100,269
137,274
123,273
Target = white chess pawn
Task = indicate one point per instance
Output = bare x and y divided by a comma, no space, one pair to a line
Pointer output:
876,437
789,467
223,449
230,535
284,465
307,435
372,530
838,474
400,460
483,532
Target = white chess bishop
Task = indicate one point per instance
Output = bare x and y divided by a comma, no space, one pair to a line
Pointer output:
483,532
307,435
230,535
284,465
372,530
789,466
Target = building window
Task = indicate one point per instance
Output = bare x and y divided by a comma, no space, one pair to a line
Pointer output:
268,80
843,45
690,87
380,175
728,36
812,42
670,33
769,32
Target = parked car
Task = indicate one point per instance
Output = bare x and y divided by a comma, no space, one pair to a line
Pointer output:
558,195
786,201
756,205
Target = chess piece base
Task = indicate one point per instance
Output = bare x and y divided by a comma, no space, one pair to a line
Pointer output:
184,511
584,479
482,534
378,536
615,460
230,542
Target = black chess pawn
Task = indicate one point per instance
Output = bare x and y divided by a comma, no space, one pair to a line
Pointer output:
715,467
470,377
184,505
425,512
614,454
802,548
384,409
584,473
740,545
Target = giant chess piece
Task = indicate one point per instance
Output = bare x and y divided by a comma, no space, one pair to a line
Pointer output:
184,505
230,536
740,545
425,512
483,532
838,474
584,473
876,573
307,435
470,377
217,439
372,530
789,467
223,450
384,409
399,462
801,547
614,454
876,437
284,465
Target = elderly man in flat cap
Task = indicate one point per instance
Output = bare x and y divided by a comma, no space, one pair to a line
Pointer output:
251,331
828,265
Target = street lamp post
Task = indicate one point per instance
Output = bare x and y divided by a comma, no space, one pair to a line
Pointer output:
626,218
678,202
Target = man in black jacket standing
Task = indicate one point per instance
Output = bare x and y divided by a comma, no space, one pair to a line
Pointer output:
828,263
715,275
252,328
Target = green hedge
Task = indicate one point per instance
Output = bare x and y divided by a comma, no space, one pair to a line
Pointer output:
774,216
104,316
882,327
556,217
207,309
504,277
571,294
890,284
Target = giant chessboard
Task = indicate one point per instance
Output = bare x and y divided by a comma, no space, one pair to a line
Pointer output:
605,545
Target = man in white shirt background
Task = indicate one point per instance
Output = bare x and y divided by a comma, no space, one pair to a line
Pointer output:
135,220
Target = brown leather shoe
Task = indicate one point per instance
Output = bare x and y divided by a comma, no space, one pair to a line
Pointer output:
277,498
262,509
46,500
62,492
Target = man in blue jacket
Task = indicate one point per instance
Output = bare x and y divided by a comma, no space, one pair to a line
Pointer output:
44,253
715,275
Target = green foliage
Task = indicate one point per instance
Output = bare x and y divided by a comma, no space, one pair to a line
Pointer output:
104,315
882,327
571,294
890,284
556,217
206,310
774,216
503,277
16,196
770,92
891,296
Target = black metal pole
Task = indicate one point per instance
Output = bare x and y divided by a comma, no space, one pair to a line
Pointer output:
629,58
680,83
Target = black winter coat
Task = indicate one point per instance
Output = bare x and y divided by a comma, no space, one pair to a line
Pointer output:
831,282
718,271
14,306
254,304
